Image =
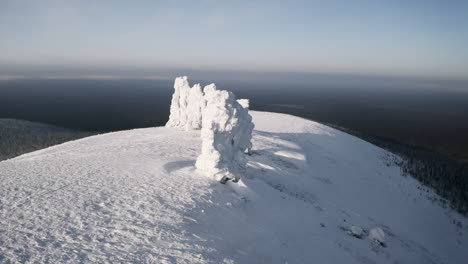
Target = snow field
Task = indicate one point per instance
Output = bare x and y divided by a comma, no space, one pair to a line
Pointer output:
135,197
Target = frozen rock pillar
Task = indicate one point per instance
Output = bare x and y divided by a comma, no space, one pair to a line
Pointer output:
226,134
245,138
179,102
195,107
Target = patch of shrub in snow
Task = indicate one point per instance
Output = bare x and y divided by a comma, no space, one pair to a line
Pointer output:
378,235
226,135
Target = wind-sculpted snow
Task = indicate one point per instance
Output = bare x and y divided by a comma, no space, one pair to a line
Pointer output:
226,136
135,197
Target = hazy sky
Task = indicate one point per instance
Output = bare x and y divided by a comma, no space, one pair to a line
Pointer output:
420,38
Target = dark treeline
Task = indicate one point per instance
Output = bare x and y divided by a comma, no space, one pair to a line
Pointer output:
448,177
18,137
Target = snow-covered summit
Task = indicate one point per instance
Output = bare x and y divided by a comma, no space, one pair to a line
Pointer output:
310,194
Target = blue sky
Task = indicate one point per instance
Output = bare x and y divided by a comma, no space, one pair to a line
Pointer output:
407,38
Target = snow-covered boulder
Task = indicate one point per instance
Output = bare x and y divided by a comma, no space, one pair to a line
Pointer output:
356,231
377,234
179,103
226,134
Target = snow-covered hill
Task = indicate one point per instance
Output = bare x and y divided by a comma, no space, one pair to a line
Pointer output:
135,196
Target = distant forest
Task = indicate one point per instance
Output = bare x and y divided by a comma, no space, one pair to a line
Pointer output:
19,136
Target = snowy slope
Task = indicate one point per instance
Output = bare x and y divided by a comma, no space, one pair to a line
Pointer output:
135,196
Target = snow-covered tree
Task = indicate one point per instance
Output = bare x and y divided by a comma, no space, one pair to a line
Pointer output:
226,134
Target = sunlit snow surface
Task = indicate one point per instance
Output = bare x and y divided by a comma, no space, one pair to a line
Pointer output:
135,196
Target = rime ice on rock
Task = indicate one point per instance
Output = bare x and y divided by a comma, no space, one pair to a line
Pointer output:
209,88
186,106
244,102
245,138
226,134
196,104
226,126
179,102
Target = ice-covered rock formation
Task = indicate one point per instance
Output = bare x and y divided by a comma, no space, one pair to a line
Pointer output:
186,106
226,134
225,123
209,88
179,102
196,104
246,137
244,102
